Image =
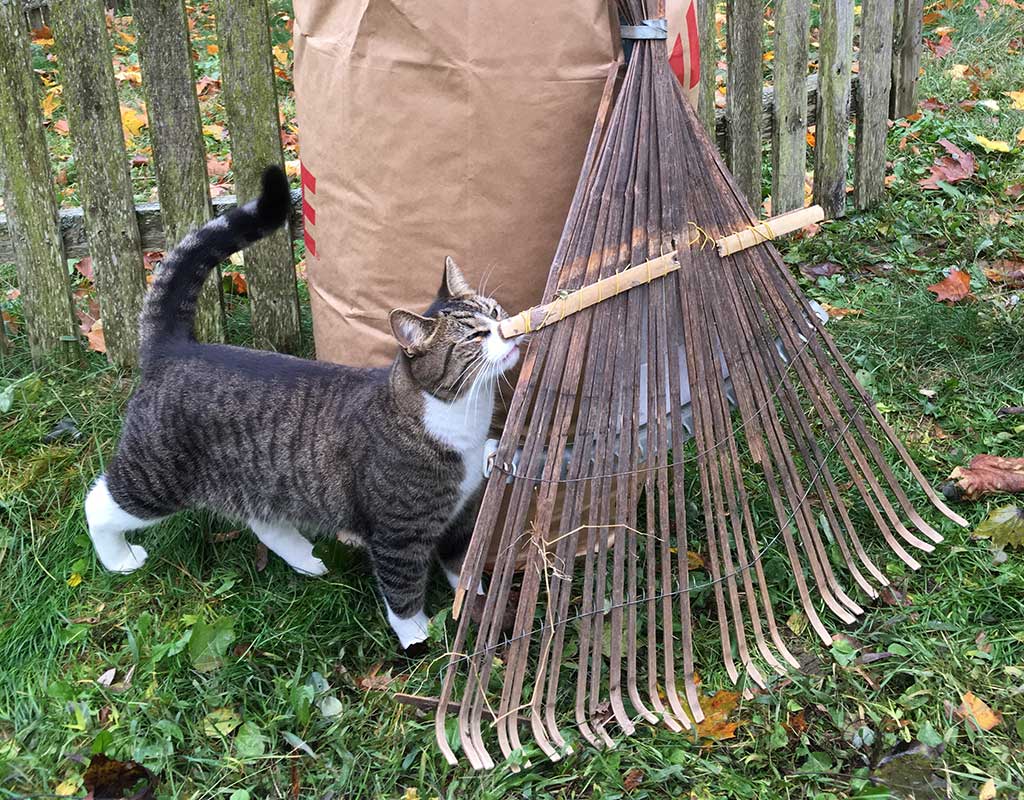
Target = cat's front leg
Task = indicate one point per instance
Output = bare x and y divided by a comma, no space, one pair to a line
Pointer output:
402,566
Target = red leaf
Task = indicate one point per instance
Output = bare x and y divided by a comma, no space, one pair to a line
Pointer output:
1016,191
933,104
95,337
941,48
61,127
236,282
207,86
216,166
632,780
84,267
953,288
957,166
139,161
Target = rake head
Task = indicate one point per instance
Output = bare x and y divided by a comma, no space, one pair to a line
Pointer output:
779,477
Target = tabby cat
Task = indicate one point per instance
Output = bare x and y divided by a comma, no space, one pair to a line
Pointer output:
393,456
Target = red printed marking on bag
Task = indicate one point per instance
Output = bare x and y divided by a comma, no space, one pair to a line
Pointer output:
308,212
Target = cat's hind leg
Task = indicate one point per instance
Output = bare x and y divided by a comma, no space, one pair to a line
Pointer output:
108,523
286,541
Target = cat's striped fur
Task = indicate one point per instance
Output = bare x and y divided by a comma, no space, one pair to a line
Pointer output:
393,456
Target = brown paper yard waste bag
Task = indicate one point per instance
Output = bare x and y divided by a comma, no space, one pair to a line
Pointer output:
434,128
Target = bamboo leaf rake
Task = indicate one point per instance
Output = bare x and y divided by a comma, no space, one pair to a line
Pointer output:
785,486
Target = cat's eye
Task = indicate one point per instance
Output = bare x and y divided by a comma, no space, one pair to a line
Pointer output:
476,336
494,312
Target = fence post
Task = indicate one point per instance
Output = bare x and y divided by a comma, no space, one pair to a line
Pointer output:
83,51
872,101
832,125
250,99
177,131
708,64
906,56
789,110
29,198
743,94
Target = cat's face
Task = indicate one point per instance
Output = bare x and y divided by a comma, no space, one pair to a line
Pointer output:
456,344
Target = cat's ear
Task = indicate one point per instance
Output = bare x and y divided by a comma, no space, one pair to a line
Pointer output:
453,282
411,330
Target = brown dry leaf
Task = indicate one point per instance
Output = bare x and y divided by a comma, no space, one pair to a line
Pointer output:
632,779
986,474
839,313
212,49
85,268
796,724
953,288
207,87
214,130
977,712
106,778
1016,191
218,166
95,337
374,680
262,557
933,104
954,167
717,709
237,282
932,17
42,35
941,48
1005,271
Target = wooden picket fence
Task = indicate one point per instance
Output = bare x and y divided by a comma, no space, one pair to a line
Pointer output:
115,232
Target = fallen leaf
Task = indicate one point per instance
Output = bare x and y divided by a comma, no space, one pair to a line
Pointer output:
826,269
106,779
212,49
214,130
977,712
1004,526
632,780
209,643
1005,271
985,474
262,557
988,789
42,34
981,8
838,313
221,722
61,127
374,681
1016,191
694,560
207,86
892,596
293,168
84,268
932,17
797,622
50,101
218,166
933,104
954,167
281,55
107,677
9,322
1017,98
991,145
74,580
941,48
139,161
66,788
955,287
133,121
811,138
128,73
717,710
95,337
910,771
796,724
152,258
236,283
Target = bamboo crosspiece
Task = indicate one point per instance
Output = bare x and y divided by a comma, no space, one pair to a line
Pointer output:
788,469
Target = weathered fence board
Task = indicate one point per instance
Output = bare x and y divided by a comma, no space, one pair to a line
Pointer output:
906,56
832,126
789,117
165,55
708,63
83,51
247,73
29,198
148,216
744,28
872,101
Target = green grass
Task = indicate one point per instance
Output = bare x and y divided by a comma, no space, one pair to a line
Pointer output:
963,629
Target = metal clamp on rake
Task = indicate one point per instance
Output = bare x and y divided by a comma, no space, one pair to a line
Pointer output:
648,29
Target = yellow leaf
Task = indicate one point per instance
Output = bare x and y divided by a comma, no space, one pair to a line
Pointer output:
411,794
212,49
992,145
281,54
717,710
959,71
132,121
768,56
74,580
293,168
1018,99
51,101
214,130
988,790
977,711
66,788
944,30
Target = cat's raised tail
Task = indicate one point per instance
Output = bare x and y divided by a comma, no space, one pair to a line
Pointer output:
170,305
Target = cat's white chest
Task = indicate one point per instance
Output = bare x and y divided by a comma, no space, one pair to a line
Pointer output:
463,425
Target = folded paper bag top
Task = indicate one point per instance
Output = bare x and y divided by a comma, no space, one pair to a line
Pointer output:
455,127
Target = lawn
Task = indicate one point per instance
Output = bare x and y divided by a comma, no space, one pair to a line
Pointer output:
232,677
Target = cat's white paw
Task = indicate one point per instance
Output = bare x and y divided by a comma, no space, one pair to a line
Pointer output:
411,630
312,566
133,557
